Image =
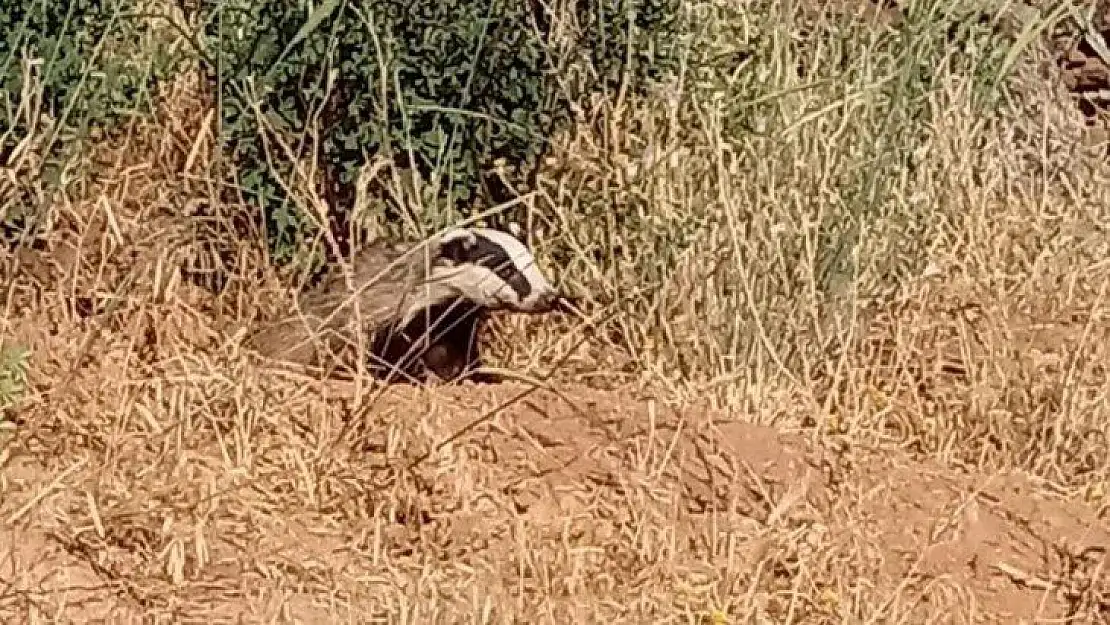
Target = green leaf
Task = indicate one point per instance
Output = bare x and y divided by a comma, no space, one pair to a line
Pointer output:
314,20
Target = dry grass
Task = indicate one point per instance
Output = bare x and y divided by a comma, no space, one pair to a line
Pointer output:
912,429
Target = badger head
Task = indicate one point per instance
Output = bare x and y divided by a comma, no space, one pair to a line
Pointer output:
493,269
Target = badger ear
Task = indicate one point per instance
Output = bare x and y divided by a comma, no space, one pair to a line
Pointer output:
455,245
518,232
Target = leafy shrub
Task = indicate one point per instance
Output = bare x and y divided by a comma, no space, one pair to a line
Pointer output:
90,66
442,87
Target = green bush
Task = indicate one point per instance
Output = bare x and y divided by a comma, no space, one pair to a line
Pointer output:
446,88
90,66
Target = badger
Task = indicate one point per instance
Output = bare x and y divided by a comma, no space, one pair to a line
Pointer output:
419,311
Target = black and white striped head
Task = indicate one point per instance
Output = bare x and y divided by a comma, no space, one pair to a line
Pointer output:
493,269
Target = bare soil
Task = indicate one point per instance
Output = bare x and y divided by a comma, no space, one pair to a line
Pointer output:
158,472
596,511
206,488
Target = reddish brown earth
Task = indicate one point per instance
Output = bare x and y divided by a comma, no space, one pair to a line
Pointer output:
191,484
159,473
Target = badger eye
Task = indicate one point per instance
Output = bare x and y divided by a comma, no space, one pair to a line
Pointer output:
505,270
503,267
500,264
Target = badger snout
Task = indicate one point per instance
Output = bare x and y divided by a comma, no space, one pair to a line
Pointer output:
539,302
547,300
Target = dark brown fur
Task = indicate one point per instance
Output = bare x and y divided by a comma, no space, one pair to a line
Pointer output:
440,338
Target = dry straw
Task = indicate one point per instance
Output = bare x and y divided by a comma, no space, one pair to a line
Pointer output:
910,430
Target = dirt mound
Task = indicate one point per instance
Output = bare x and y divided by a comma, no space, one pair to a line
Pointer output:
224,492
160,472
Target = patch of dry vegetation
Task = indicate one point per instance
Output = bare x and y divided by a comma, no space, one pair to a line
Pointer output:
909,428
